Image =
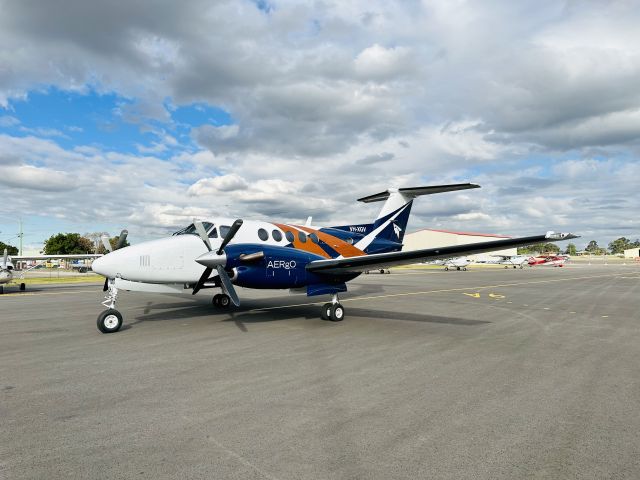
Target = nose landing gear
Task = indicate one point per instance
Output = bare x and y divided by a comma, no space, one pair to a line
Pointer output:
221,300
110,320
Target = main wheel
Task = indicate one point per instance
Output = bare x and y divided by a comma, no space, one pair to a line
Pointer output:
1,289
225,300
109,321
325,311
506,266
22,287
458,268
446,269
337,312
464,268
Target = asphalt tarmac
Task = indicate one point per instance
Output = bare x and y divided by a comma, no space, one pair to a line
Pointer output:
485,374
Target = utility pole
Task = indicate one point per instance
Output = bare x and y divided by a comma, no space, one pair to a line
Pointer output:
20,235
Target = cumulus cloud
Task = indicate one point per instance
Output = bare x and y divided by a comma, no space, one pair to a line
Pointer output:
334,100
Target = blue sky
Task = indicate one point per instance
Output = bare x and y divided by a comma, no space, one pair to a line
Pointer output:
161,113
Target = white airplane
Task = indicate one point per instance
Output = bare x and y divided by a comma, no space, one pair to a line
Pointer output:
7,268
220,253
459,263
515,261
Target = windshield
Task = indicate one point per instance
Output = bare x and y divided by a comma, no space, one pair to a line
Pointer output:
191,229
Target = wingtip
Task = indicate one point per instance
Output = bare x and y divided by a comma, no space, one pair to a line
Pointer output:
560,236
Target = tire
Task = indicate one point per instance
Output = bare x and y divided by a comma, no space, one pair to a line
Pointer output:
23,287
458,269
109,321
382,271
225,300
1,289
325,311
446,269
216,300
464,268
506,266
337,312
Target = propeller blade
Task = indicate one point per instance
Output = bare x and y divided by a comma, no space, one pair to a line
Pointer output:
106,243
251,257
232,233
203,278
105,287
227,286
203,233
5,259
122,239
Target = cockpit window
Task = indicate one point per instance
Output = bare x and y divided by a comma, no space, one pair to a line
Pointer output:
224,229
191,229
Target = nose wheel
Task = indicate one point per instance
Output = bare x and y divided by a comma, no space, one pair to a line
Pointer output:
109,321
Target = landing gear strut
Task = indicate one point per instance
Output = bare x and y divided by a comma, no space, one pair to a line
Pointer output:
221,300
110,320
333,310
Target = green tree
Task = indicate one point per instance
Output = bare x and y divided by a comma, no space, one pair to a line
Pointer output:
11,250
620,245
539,248
67,244
592,247
571,249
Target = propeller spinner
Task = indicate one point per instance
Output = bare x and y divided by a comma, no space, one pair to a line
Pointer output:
217,260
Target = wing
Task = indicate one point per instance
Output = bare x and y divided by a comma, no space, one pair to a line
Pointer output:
79,256
394,259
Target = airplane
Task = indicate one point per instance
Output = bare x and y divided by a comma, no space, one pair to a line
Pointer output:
548,261
7,269
456,263
6,272
221,252
512,260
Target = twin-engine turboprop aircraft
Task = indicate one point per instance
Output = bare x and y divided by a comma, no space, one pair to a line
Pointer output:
221,253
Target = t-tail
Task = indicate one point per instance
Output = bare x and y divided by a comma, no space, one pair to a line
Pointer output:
386,233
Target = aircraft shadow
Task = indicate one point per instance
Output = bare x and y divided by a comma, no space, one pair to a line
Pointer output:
249,314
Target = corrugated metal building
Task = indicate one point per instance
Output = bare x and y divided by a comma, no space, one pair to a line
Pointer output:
431,238
630,252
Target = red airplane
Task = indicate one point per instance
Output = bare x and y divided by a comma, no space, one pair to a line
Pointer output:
548,260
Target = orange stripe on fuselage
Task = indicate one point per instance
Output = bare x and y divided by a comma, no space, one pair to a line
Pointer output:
343,248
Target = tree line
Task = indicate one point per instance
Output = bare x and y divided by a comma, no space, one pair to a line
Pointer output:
74,243
617,246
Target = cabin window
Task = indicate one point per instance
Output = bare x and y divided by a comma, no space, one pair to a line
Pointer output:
313,237
263,235
302,237
289,235
213,233
277,236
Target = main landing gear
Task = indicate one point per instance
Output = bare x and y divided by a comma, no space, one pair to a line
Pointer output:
221,300
333,310
110,320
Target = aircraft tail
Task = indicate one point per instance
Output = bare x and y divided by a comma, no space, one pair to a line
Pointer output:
389,227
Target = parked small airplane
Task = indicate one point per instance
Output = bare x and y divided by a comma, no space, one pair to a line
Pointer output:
221,253
514,261
548,261
7,269
457,263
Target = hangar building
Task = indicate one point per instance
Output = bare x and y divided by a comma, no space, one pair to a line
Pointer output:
630,253
431,238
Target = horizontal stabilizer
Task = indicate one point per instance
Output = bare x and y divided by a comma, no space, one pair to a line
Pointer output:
412,192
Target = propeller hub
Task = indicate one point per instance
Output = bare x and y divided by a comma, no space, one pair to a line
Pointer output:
212,259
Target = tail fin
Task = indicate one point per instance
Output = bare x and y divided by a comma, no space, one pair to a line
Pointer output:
386,233
397,207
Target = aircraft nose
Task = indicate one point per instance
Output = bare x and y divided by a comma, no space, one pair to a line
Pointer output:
104,266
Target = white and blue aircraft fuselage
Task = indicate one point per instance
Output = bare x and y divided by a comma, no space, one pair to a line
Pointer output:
223,253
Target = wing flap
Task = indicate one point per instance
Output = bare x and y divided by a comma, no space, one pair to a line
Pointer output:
395,259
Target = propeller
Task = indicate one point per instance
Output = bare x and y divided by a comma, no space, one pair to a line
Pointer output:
217,261
122,239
